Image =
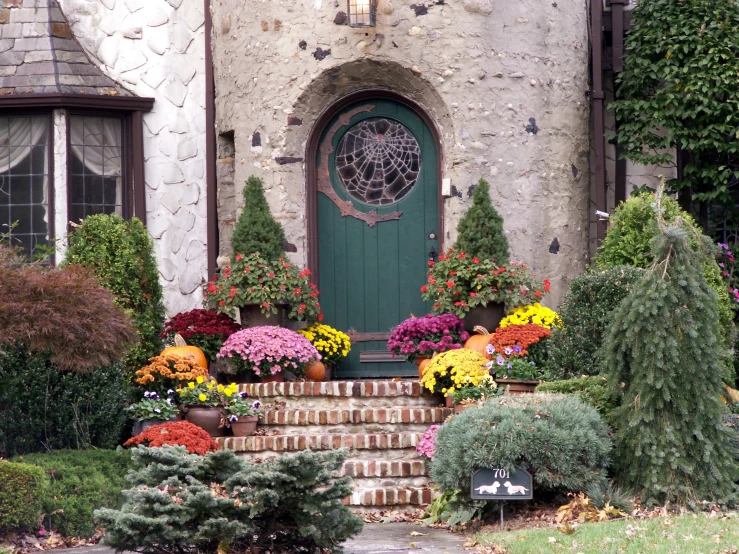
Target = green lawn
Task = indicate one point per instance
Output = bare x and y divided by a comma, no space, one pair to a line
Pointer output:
688,534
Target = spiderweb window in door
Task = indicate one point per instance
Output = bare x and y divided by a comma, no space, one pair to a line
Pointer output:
378,161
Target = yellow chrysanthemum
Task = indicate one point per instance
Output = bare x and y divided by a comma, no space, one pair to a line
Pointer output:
534,313
455,369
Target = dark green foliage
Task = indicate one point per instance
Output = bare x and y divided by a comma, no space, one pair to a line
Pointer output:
256,230
593,391
561,441
628,242
732,423
22,487
682,58
80,481
665,356
43,408
611,494
586,314
291,503
121,253
480,231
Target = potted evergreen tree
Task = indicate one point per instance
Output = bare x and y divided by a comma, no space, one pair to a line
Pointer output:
480,235
257,232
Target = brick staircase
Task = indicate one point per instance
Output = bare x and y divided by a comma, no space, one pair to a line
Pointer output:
380,422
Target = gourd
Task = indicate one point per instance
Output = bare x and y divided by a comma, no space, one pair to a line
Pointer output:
315,370
184,350
479,341
422,367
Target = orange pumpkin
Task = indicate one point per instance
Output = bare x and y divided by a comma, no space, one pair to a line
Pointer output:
315,371
183,350
422,367
479,341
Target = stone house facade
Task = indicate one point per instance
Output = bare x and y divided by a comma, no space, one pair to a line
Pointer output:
204,94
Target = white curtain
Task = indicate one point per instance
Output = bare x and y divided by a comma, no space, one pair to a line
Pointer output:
96,142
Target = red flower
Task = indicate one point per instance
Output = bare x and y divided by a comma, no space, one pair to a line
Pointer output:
304,272
461,255
452,273
270,275
424,288
547,286
302,306
450,284
536,293
475,260
286,264
431,263
480,277
247,269
297,291
473,294
233,292
221,303
320,316
265,304
239,256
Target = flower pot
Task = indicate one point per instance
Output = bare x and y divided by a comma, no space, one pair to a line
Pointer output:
141,426
485,316
459,408
513,386
209,418
245,426
252,316
278,377
448,402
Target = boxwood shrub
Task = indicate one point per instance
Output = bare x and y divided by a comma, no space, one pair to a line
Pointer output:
79,482
43,408
22,488
592,390
560,440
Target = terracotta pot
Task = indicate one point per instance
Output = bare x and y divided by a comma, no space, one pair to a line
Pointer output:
448,402
459,408
278,377
141,426
485,316
513,386
245,426
252,316
209,418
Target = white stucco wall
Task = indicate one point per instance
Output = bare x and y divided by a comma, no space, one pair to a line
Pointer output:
156,48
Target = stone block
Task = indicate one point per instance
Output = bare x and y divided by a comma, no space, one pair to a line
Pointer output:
185,220
158,42
134,5
167,269
28,44
180,37
179,124
193,15
196,250
31,30
171,173
156,17
154,76
11,57
187,148
130,58
11,30
22,15
109,50
175,90
191,278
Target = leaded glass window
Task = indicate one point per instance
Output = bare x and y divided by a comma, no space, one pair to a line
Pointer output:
95,168
24,180
378,161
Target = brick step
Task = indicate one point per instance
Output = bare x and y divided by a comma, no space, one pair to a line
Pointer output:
295,443
390,496
363,416
348,389
358,469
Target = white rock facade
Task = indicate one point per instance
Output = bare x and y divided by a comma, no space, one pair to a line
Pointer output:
505,82
156,48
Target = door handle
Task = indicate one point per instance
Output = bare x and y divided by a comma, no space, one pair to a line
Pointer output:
432,254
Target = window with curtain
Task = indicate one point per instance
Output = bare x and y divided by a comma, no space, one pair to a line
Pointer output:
95,174
24,180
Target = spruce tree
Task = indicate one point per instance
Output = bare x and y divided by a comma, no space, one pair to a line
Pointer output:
256,230
663,354
480,231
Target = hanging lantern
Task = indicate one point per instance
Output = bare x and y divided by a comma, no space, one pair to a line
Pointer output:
362,13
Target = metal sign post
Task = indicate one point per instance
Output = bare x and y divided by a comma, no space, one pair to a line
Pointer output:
500,484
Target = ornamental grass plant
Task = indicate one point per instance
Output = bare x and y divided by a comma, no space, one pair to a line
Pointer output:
268,350
454,370
332,344
458,282
423,337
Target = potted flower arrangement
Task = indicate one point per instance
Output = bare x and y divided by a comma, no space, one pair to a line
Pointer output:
203,403
420,338
204,329
475,395
478,290
332,345
168,371
453,370
243,415
265,292
268,352
152,410
521,340
518,374
179,433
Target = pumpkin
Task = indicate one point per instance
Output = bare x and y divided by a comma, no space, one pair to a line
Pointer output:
479,341
315,371
183,350
422,367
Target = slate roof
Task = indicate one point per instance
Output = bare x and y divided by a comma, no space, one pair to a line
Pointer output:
40,55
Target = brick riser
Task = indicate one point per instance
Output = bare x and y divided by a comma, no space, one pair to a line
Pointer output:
379,422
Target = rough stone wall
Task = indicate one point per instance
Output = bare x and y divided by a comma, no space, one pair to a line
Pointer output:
157,49
505,83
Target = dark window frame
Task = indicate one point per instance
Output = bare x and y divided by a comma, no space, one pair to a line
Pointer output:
51,189
128,146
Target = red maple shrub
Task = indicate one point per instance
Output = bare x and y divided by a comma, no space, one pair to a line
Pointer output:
61,312
176,433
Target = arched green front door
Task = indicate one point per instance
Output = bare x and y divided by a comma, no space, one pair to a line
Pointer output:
378,219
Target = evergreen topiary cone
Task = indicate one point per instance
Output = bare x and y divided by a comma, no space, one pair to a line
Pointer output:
480,232
256,230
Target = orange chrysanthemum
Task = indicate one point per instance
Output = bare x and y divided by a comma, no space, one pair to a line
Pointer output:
521,336
169,367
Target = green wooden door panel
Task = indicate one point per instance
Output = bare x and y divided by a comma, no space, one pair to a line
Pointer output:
370,277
